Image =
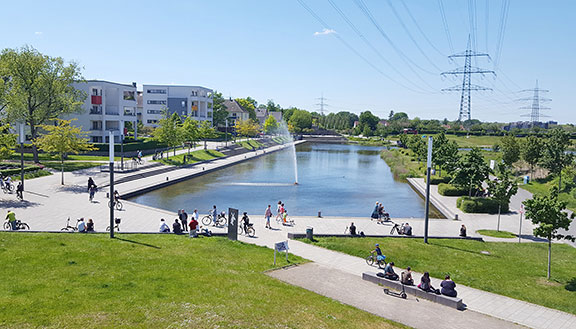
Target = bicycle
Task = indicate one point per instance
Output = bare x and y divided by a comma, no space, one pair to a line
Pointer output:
117,204
8,188
116,225
371,259
70,228
250,230
19,226
221,221
396,228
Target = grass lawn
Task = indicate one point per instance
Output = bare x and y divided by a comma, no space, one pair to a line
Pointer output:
471,141
70,166
401,163
497,234
543,186
193,157
250,144
511,269
145,281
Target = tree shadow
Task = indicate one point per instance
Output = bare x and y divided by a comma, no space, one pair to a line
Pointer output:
464,250
78,189
571,285
138,243
14,204
532,238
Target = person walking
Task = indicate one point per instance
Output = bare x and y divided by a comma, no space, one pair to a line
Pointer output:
375,212
278,207
214,214
184,220
267,215
20,191
92,191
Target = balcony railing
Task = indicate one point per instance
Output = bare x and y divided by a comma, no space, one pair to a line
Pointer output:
96,128
96,111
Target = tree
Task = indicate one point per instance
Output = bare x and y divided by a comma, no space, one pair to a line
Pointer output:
169,131
472,170
399,116
206,131
445,153
300,120
510,149
41,88
418,146
7,141
249,105
369,119
390,115
270,125
248,128
502,188
273,107
219,110
554,157
531,152
547,212
62,139
190,131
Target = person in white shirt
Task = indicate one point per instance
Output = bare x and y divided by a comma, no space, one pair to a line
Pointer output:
81,226
164,228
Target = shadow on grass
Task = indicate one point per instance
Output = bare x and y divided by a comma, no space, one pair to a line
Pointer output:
571,286
464,250
138,243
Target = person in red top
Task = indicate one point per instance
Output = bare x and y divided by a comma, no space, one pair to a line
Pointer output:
193,227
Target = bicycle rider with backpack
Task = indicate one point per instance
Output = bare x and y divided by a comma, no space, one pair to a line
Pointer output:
379,256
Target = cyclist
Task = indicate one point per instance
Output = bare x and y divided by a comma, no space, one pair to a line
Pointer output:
379,256
116,196
8,182
245,222
214,214
19,190
92,192
11,217
2,181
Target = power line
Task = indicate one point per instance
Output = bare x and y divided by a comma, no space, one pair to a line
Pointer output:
536,105
420,29
501,31
366,11
410,35
486,23
445,23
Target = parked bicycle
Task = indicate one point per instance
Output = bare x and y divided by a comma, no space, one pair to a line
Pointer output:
250,231
221,221
19,225
116,225
398,229
70,228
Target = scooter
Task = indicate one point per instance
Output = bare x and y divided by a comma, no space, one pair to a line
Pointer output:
401,294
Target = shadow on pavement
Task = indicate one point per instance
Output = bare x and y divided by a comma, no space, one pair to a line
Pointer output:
532,238
73,189
7,204
139,243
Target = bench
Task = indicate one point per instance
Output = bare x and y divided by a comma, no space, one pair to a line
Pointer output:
453,302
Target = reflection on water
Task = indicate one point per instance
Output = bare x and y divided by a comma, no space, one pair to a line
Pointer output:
338,180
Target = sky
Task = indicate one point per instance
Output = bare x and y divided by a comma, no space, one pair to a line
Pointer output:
377,55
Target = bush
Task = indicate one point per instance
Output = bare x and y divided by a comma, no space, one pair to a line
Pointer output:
451,190
435,180
480,205
12,170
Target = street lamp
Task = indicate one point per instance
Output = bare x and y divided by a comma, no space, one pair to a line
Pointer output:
428,169
112,199
21,138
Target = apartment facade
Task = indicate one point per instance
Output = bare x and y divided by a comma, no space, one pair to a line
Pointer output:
108,107
235,111
193,101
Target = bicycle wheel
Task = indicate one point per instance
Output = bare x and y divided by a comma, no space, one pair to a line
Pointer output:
119,205
107,228
64,229
24,226
392,230
222,221
206,220
7,226
251,232
110,204
370,260
240,229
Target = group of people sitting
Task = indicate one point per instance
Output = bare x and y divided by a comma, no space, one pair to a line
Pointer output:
448,287
85,227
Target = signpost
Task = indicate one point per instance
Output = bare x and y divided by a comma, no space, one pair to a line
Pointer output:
281,246
232,224
428,168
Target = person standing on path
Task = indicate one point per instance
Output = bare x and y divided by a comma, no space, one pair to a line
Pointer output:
214,214
193,225
267,215
184,219
278,212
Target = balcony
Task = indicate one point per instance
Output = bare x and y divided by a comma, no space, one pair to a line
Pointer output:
112,110
96,110
96,100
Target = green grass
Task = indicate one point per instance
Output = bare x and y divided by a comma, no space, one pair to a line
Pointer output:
471,141
511,269
369,141
49,157
543,186
193,157
250,144
70,166
401,163
155,281
32,174
497,234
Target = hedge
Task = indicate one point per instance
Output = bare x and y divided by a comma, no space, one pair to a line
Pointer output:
435,180
451,190
15,170
133,146
480,205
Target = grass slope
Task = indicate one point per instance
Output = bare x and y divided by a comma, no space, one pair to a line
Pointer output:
511,269
145,281
497,234
250,144
193,157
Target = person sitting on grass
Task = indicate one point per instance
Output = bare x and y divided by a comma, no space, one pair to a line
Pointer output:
389,272
90,225
406,277
426,285
164,227
448,287
81,226
176,228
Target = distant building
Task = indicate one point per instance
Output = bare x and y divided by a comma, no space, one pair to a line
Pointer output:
529,125
192,101
235,111
107,107
262,114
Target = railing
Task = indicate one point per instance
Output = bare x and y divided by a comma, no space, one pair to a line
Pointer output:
112,112
96,128
95,111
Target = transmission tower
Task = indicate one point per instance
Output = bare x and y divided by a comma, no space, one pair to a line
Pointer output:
322,104
536,106
466,88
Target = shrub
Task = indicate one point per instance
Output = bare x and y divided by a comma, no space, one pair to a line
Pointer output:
451,190
435,180
480,205
12,170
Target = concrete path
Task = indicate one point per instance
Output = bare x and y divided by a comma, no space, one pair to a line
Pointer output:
352,290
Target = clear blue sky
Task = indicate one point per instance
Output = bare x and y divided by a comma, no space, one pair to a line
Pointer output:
269,50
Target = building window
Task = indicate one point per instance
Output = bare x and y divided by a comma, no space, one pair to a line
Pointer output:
96,139
194,93
194,113
96,109
156,102
156,91
152,121
129,95
96,125
155,111
95,92
210,114
209,105
129,111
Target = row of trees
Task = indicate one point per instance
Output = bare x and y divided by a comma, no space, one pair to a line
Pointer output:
174,132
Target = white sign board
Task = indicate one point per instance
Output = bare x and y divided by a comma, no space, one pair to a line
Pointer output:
492,164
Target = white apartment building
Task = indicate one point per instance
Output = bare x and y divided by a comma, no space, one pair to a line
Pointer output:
108,106
191,101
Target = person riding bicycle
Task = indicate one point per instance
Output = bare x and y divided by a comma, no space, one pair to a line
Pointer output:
11,217
92,191
8,182
245,222
214,214
19,190
379,256
116,196
2,181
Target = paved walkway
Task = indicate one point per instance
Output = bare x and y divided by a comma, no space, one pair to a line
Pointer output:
48,204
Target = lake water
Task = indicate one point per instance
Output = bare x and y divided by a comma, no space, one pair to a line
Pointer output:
338,180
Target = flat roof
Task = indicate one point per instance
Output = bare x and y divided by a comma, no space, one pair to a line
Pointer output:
111,82
150,85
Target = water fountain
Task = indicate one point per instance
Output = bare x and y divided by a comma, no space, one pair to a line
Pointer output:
283,131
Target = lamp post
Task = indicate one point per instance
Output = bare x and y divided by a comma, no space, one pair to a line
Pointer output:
112,199
21,138
122,148
428,169
226,134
